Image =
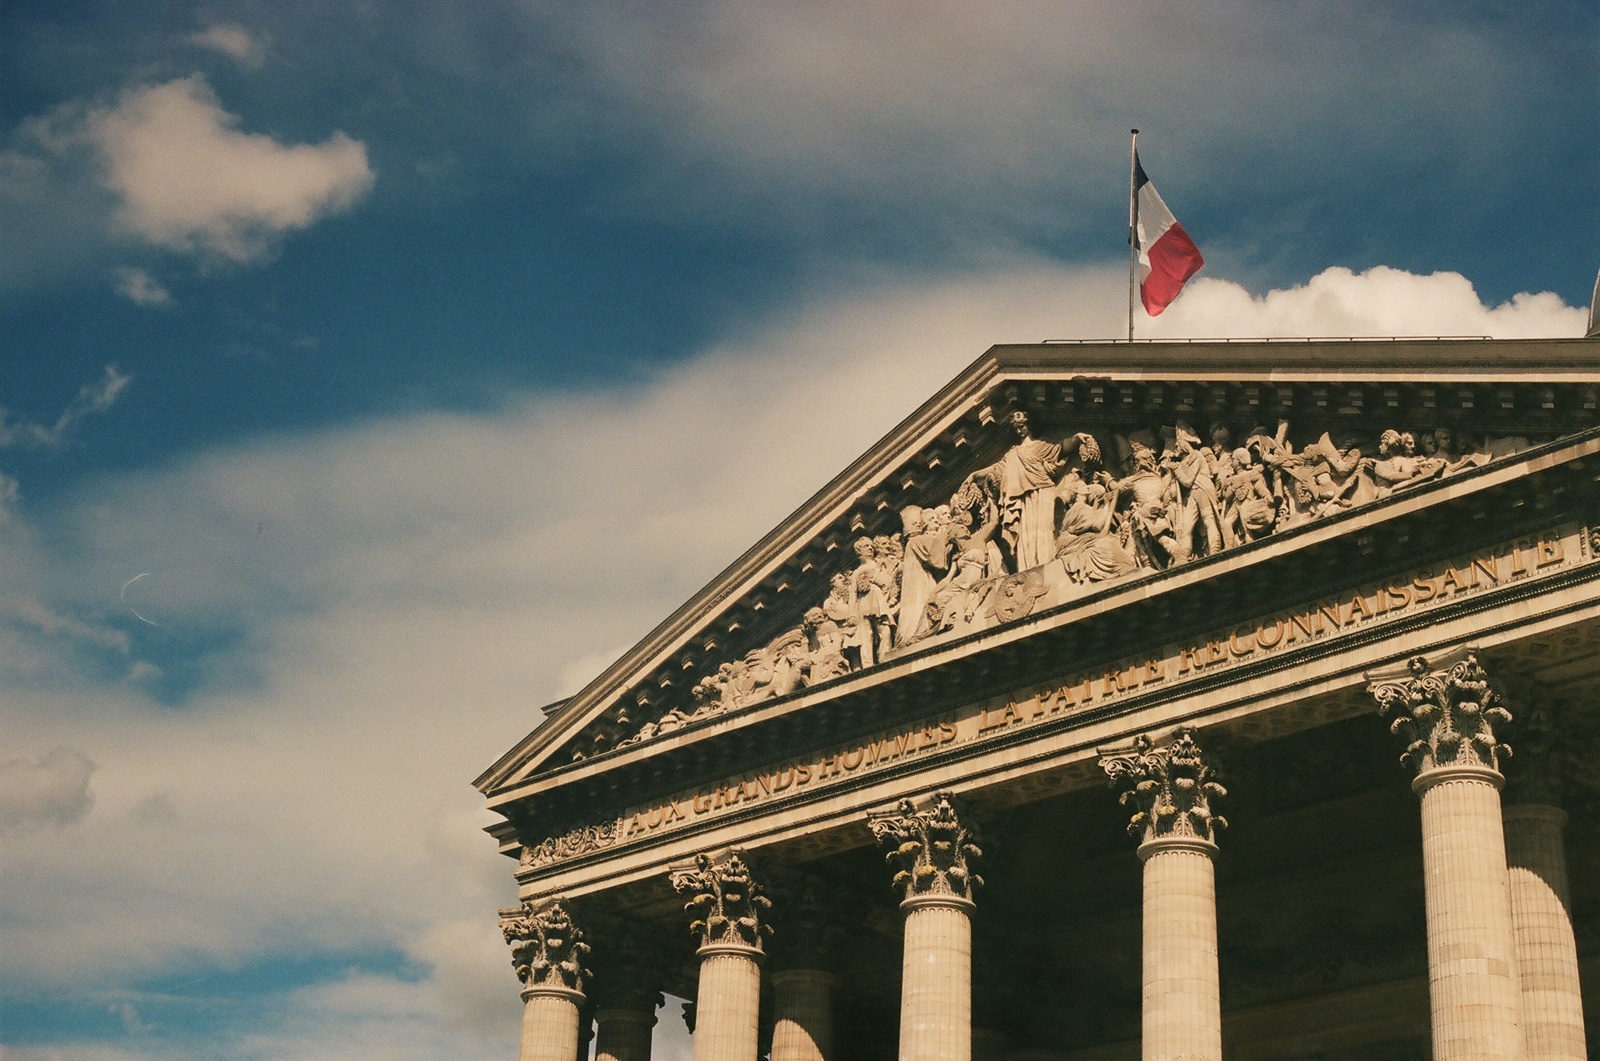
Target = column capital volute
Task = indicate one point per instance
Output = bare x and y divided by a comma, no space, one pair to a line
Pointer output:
726,903
931,849
548,949
1445,708
1170,788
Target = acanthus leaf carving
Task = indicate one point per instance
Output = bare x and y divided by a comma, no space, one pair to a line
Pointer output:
726,903
1446,717
547,946
1169,788
931,850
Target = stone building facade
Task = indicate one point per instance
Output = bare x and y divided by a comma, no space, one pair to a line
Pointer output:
1166,701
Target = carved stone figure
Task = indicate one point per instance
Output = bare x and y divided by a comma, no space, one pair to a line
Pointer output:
929,544
547,948
930,850
1249,508
1196,528
1446,718
1170,789
1086,546
725,902
977,561
825,648
874,622
1148,530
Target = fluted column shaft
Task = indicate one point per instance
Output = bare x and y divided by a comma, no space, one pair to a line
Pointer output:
623,1034
1541,917
803,1012
728,1004
936,979
1182,998
1472,966
549,1024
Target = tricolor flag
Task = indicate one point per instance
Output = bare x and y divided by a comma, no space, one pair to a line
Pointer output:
1167,256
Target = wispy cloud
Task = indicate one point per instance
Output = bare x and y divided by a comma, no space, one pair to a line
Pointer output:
237,43
91,398
140,288
188,179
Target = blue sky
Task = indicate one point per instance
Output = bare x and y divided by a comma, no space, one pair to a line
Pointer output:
374,373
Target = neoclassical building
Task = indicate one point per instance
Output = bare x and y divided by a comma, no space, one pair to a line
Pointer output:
1160,700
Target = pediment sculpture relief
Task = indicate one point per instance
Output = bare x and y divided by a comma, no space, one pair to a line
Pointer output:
1049,520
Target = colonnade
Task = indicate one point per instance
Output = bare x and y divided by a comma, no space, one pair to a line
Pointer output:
1502,960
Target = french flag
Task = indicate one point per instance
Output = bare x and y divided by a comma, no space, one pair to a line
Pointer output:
1167,256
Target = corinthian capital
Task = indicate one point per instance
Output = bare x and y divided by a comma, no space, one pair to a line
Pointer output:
727,904
1170,788
547,947
929,849
1446,714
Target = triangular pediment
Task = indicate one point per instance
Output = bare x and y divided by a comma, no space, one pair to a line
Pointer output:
1047,473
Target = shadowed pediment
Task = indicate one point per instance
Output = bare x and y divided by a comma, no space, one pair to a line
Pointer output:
1046,473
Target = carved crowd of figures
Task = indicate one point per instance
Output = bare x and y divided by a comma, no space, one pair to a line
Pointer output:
1151,501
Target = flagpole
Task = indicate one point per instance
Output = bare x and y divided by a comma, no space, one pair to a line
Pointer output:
1133,228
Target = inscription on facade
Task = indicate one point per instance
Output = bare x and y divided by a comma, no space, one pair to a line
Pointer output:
1370,604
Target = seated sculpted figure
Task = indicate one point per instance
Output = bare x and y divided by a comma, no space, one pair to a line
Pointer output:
1086,546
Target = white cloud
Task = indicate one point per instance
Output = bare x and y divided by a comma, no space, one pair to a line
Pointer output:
236,42
92,398
140,288
189,180
409,592
1378,302
52,790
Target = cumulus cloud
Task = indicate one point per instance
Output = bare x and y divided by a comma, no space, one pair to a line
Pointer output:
52,790
1378,302
188,179
405,594
236,42
140,288
92,398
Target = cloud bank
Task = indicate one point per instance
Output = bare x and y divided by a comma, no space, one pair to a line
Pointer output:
363,619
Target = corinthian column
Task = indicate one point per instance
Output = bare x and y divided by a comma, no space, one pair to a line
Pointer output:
730,914
1171,790
1447,713
548,952
930,850
1541,911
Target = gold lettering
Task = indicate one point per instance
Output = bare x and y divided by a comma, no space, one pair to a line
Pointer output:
858,753
1216,652
1190,656
1309,625
1115,681
802,774
1277,634
1241,650
1399,594
1519,566
1489,564
656,815
702,803
1551,551
947,731
636,825
1425,588
1155,670
674,811
1359,605
1331,613
1453,582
